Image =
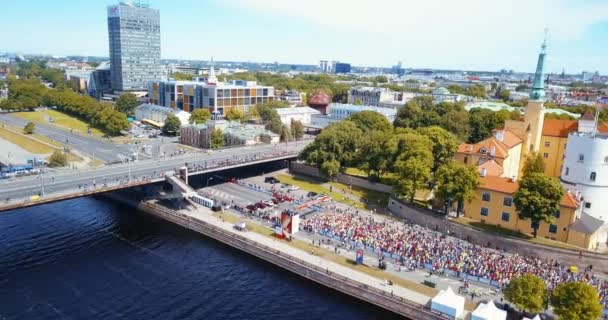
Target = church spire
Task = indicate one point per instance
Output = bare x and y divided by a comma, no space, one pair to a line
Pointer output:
212,78
538,88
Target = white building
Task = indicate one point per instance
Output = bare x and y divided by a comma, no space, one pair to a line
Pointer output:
442,94
235,133
340,111
158,114
302,114
368,96
292,97
585,171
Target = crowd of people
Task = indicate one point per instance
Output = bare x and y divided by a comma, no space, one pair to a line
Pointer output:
416,246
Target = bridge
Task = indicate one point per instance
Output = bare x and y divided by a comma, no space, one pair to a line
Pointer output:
65,184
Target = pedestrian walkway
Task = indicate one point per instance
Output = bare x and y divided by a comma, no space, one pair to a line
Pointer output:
205,215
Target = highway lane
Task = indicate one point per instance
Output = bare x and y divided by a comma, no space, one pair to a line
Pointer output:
75,180
97,148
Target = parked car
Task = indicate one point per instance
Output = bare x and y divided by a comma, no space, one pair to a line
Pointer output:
311,194
271,180
240,226
294,188
251,207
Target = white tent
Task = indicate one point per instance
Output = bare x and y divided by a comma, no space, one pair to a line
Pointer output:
535,318
488,311
449,303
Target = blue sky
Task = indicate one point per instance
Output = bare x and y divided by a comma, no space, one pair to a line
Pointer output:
467,34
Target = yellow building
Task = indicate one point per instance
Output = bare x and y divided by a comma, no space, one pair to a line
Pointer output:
494,205
498,155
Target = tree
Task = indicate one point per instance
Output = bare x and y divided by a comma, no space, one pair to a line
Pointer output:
413,174
275,125
534,163
126,103
297,129
576,301
375,153
338,142
483,121
456,182
172,125
234,114
57,159
29,128
444,145
370,120
217,138
381,79
538,199
527,292
285,134
330,168
457,122
200,115
180,76
504,95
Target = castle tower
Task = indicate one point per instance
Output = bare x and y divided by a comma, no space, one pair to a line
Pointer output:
535,111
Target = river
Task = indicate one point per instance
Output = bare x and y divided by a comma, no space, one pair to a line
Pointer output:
94,259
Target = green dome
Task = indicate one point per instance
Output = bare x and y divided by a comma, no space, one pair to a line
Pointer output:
441,90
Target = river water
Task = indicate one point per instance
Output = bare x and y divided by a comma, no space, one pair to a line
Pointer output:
94,259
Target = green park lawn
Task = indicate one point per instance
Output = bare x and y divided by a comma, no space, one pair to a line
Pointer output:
59,119
27,144
338,191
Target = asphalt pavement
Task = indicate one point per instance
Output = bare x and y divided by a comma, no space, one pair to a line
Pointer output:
95,147
62,182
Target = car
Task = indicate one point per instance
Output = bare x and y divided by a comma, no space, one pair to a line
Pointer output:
293,188
271,180
251,207
260,205
240,226
311,194
268,203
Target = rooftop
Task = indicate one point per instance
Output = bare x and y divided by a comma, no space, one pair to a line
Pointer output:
586,224
509,186
296,110
561,128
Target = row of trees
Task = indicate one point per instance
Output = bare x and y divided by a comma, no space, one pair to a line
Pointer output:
423,158
472,126
417,158
308,83
29,93
570,300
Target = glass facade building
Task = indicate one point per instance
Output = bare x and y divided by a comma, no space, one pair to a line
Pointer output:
134,35
219,97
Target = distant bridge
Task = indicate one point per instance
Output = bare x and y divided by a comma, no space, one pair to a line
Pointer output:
66,184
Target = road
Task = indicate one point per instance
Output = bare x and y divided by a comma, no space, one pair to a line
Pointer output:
96,148
65,182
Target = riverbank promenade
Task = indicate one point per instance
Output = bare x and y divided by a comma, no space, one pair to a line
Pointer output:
374,290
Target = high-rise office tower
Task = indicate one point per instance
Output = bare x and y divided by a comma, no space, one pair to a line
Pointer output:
134,34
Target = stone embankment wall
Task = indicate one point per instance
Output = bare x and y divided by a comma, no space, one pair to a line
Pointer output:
301,168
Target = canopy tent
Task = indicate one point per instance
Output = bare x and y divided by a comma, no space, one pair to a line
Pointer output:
488,311
535,318
449,303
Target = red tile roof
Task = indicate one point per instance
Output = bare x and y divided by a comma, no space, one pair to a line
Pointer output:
561,128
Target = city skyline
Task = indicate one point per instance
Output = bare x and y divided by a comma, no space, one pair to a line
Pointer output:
468,35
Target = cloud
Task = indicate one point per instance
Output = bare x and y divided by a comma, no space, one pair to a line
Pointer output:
565,17
494,27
